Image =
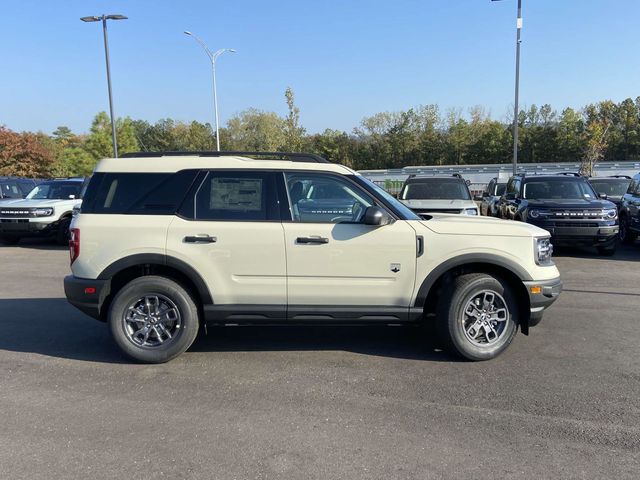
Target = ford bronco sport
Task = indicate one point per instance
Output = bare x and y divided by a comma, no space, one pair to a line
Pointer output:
565,205
45,212
167,242
426,195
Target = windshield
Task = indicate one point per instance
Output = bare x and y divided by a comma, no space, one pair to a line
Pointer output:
500,188
399,206
435,189
558,190
9,190
613,188
55,191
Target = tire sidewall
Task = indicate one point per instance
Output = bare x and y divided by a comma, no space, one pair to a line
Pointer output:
456,329
154,285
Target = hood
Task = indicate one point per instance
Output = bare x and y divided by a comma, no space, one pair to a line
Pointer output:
25,203
484,226
576,203
439,204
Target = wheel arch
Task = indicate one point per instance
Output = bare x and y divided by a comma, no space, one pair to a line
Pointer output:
120,272
443,274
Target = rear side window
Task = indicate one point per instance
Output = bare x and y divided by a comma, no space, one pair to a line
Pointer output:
240,196
137,193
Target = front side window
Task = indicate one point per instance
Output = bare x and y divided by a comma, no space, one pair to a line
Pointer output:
558,190
323,198
228,195
436,189
56,191
9,190
500,189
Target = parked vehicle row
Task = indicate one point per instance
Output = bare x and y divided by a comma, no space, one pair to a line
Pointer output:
166,242
45,212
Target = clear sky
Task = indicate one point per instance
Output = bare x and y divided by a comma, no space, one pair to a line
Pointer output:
345,59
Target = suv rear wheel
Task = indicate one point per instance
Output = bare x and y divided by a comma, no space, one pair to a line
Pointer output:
477,317
153,319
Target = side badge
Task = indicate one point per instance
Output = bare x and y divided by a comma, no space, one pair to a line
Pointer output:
395,267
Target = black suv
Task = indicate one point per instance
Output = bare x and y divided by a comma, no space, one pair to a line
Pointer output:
566,205
15,187
630,212
614,187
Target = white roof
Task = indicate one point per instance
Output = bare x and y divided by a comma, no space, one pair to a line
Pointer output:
176,163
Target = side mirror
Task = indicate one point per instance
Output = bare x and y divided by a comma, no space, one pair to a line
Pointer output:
376,216
602,196
72,197
510,196
478,198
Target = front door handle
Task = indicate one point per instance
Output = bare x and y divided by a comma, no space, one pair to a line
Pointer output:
200,238
306,240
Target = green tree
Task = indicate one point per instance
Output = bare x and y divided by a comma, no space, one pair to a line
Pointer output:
99,144
255,130
294,134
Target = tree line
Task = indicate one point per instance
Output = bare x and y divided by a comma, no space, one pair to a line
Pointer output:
423,135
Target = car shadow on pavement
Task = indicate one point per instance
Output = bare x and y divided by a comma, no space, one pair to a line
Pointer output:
36,244
52,327
625,253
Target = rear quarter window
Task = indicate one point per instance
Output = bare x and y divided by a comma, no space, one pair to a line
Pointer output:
137,193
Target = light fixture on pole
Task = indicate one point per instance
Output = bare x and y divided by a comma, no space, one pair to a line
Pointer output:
104,19
517,89
213,56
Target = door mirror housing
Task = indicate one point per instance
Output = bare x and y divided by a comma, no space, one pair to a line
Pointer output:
376,216
602,196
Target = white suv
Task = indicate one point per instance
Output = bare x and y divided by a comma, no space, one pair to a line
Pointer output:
45,212
166,243
428,195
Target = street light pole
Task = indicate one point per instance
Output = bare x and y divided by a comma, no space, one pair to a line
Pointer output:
517,89
213,56
104,19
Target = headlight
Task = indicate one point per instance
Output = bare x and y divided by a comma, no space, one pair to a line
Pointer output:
543,250
609,213
42,212
470,211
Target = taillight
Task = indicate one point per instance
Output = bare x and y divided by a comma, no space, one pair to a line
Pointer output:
74,244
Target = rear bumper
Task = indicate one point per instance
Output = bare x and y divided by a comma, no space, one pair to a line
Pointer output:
549,290
78,293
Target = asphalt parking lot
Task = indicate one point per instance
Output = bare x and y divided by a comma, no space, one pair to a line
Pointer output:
320,403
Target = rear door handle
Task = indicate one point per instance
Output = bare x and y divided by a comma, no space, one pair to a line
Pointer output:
312,240
200,238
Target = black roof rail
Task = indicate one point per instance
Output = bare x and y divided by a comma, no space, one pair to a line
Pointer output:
620,176
288,156
457,175
569,174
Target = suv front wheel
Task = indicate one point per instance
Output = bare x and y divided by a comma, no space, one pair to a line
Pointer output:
153,319
477,317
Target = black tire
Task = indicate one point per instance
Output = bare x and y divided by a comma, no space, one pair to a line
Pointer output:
450,316
625,235
9,240
62,235
152,285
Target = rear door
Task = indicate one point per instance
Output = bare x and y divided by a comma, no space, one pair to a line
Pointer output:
338,267
229,230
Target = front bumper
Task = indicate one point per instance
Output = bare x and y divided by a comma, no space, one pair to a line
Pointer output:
541,295
603,234
22,227
79,293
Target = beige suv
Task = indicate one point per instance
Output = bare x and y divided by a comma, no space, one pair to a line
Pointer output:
165,243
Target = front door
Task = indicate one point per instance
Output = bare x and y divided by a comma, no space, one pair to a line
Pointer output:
338,267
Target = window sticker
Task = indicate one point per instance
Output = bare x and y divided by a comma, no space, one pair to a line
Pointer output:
236,194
